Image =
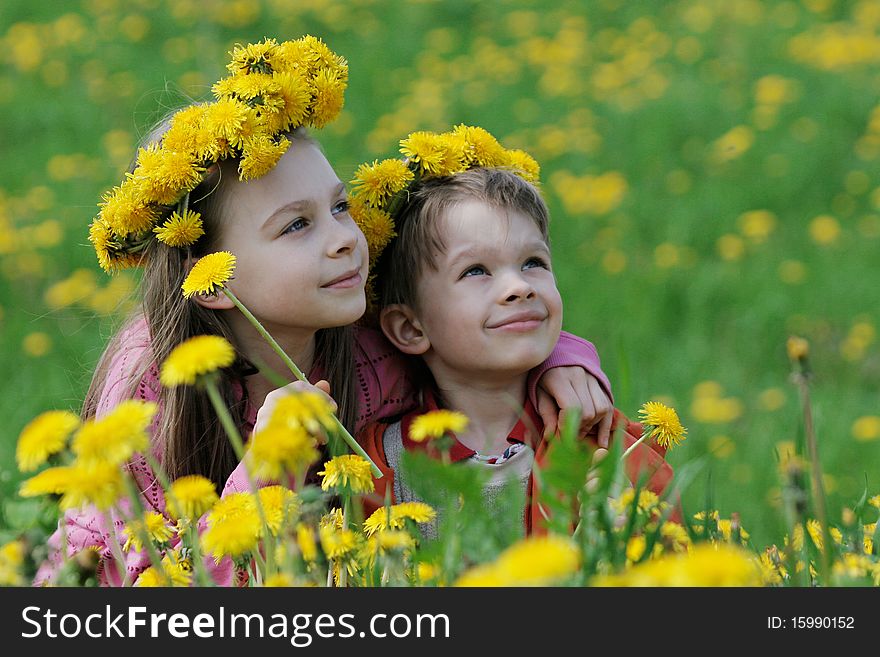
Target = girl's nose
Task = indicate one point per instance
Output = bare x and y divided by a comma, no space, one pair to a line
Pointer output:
343,237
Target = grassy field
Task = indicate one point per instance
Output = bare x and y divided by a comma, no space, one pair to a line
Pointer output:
711,166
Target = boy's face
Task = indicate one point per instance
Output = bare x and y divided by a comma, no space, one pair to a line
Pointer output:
491,307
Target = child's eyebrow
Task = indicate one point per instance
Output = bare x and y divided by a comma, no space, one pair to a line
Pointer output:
300,205
480,251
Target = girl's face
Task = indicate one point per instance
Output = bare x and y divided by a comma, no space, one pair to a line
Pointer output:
301,259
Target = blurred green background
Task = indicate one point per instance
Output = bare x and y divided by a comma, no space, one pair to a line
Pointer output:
711,166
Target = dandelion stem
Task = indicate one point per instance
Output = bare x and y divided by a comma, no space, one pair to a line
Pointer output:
634,445
225,417
135,497
351,442
818,487
238,446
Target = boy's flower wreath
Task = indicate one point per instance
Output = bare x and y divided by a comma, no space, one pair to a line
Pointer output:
380,189
273,88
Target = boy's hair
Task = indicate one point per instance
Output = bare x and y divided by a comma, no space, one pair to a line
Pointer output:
418,240
192,438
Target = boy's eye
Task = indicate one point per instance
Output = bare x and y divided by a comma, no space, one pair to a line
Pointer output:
476,270
535,262
340,207
295,226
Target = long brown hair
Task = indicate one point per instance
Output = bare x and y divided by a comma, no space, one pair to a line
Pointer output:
190,438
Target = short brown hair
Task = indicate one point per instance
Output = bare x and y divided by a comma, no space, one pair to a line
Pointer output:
418,239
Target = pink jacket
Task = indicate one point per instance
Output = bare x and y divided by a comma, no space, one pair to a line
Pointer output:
384,391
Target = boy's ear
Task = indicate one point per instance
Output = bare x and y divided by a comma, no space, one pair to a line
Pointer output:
217,301
403,329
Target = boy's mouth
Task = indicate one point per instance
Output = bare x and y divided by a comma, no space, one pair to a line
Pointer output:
522,321
350,278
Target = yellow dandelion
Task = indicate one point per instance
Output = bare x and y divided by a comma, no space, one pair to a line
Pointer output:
277,450
116,436
400,513
247,87
533,561
188,133
662,424
482,150
52,481
376,225
379,181
195,358
178,570
540,560
180,229
96,482
190,496
153,524
436,424
209,273
349,470
485,575
635,547
225,118
163,176
797,348
726,527
259,155
280,506
525,165
337,543
125,212
305,540
253,58
234,527
296,92
234,537
44,436
425,149
151,578
706,565
278,580
674,536
874,501
11,562
329,97
309,410
332,518
454,153
394,540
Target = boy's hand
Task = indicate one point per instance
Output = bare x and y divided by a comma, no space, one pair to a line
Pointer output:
265,413
561,390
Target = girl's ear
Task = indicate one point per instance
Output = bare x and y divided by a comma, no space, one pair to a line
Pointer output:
217,301
403,329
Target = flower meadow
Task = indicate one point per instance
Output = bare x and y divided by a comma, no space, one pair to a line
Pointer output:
712,173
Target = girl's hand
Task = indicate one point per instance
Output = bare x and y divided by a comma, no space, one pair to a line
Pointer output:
561,390
265,413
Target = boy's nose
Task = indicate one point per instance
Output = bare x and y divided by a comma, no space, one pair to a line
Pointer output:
517,288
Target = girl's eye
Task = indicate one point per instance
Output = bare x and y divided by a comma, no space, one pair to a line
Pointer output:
295,226
476,270
535,262
340,207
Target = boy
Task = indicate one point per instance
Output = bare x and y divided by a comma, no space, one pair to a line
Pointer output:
467,287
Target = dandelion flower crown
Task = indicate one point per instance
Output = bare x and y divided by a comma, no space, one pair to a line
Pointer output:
272,89
380,190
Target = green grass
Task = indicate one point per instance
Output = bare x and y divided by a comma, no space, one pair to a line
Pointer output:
424,65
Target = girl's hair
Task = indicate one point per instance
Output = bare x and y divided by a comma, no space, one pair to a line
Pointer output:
418,240
192,438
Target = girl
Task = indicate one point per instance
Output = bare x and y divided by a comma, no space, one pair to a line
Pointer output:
265,192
